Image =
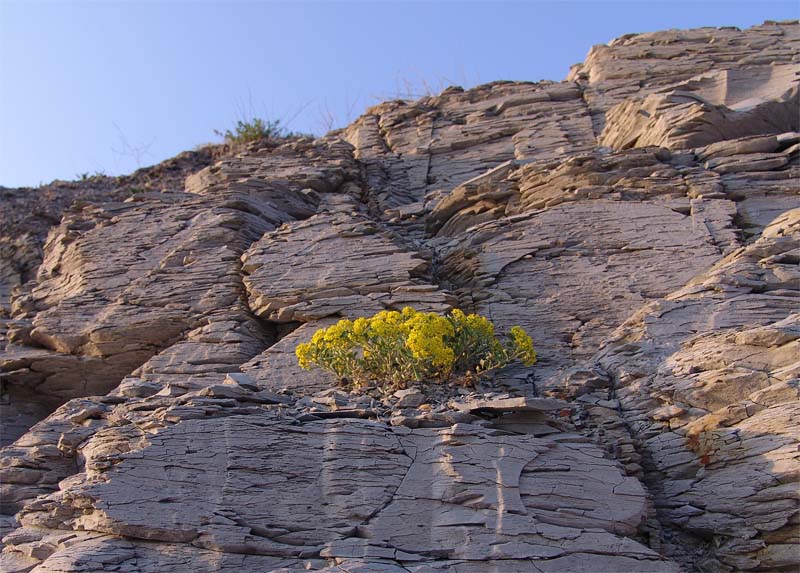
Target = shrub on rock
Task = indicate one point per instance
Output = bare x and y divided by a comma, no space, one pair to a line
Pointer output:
256,129
394,348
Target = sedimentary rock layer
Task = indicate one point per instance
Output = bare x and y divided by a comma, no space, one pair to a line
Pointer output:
640,219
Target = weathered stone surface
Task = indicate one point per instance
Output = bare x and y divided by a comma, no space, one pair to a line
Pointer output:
409,398
28,214
539,271
46,454
122,281
709,108
518,404
349,488
334,265
636,65
412,148
640,220
708,380
276,368
80,552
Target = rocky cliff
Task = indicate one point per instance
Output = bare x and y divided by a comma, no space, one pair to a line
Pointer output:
641,219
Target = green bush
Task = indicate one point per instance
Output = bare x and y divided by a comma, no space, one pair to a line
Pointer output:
395,348
254,130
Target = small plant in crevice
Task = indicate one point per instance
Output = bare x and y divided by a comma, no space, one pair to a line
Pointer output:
86,176
393,349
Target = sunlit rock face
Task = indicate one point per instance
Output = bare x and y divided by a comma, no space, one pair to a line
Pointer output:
641,220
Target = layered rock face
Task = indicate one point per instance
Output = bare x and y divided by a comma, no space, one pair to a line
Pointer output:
640,219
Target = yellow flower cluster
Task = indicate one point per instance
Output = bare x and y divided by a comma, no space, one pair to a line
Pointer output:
523,345
395,348
426,340
481,325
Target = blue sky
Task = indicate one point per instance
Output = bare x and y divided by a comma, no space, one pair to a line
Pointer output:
110,86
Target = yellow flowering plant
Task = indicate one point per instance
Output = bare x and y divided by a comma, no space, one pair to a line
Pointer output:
394,348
